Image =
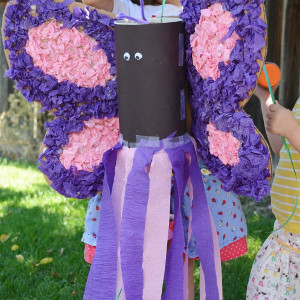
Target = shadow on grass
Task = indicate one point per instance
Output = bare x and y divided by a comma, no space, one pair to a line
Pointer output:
15,193
39,234
17,163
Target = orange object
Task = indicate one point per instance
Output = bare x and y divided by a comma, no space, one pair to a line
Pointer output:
274,75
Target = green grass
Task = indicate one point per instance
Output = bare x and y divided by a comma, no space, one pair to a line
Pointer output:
42,223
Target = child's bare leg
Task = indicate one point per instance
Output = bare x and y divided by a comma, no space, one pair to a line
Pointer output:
191,279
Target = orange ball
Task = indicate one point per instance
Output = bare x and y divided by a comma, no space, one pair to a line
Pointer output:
274,74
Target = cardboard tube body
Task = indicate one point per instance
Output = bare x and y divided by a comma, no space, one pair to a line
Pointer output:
151,79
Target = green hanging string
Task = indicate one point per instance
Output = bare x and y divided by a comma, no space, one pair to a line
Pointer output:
162,10
287,149
119,294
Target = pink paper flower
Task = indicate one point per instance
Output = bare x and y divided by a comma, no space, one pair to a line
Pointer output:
67,54
86,148
223,145
207,48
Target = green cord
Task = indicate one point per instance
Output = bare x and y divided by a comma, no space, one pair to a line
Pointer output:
119,294
162,10
287,149
269,84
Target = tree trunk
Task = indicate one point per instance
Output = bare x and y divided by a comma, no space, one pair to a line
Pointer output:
6,84
290,53
284,50
274,20
274,9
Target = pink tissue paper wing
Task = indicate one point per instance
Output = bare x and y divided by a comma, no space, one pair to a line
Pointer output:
223,145
86,148
207,48
68,54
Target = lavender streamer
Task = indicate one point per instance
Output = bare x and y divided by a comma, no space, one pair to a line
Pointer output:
201,228
174,263
133,223
101,282
142,10
121,16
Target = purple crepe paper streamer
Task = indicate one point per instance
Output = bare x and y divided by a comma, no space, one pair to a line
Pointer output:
201,227
133,223
174,263
102,279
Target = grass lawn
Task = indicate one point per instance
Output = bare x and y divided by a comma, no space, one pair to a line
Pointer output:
44,224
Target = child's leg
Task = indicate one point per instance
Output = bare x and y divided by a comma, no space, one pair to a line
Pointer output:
191,279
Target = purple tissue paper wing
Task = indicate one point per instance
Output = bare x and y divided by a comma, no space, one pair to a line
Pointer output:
71,103
217,100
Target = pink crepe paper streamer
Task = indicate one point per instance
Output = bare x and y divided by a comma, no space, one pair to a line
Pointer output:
86,148
217,264
134,220
157,225
223,145
208,49
123,167
157,219
186,275
67,54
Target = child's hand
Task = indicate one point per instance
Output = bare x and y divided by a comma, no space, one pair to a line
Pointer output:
263,94
280,121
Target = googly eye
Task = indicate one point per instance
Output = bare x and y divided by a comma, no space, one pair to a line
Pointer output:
138,56
126,56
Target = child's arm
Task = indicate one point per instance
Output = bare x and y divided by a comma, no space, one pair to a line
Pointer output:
265,101
107,5
281,121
